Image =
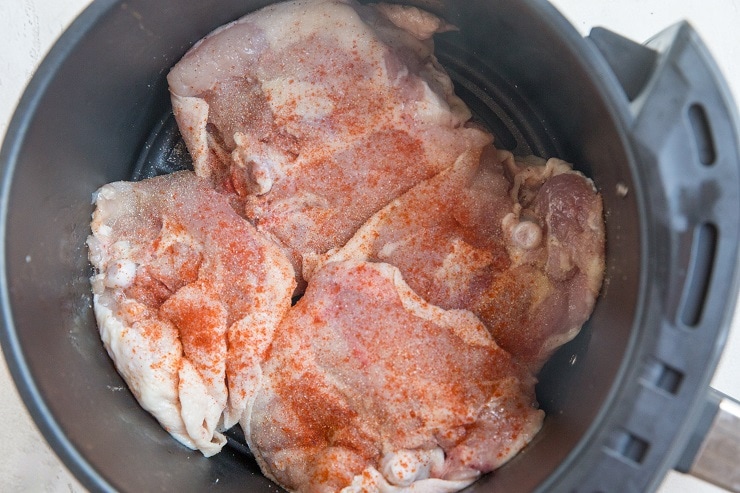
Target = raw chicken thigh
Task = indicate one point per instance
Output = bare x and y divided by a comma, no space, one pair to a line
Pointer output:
187,295
317,113
332,156
370,388
520,245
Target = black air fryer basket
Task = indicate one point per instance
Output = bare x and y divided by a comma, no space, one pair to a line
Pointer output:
653,125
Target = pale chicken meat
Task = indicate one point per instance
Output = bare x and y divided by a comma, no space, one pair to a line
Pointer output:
314,114
370,388
187,296
332,156
519,244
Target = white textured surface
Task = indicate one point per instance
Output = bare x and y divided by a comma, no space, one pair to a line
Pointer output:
28,28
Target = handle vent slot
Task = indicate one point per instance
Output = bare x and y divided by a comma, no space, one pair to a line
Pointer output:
703,251
702,132
663,376
628,446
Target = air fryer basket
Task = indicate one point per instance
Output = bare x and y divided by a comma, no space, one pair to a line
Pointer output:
653,126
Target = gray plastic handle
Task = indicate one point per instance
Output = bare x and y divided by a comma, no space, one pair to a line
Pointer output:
684,129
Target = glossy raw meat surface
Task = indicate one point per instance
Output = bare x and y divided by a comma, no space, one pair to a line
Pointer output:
317,113
519,244
332,156
370,388
187,296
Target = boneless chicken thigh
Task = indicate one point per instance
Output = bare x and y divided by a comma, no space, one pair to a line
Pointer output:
370,388
519,244
187,296
314,114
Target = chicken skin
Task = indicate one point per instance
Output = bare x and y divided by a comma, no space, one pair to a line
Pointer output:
187,296
352,272
521,245
314,114
370,388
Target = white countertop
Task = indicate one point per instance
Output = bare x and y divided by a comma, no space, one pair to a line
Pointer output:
28,28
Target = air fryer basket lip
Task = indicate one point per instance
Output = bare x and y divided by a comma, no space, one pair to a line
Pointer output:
628,376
